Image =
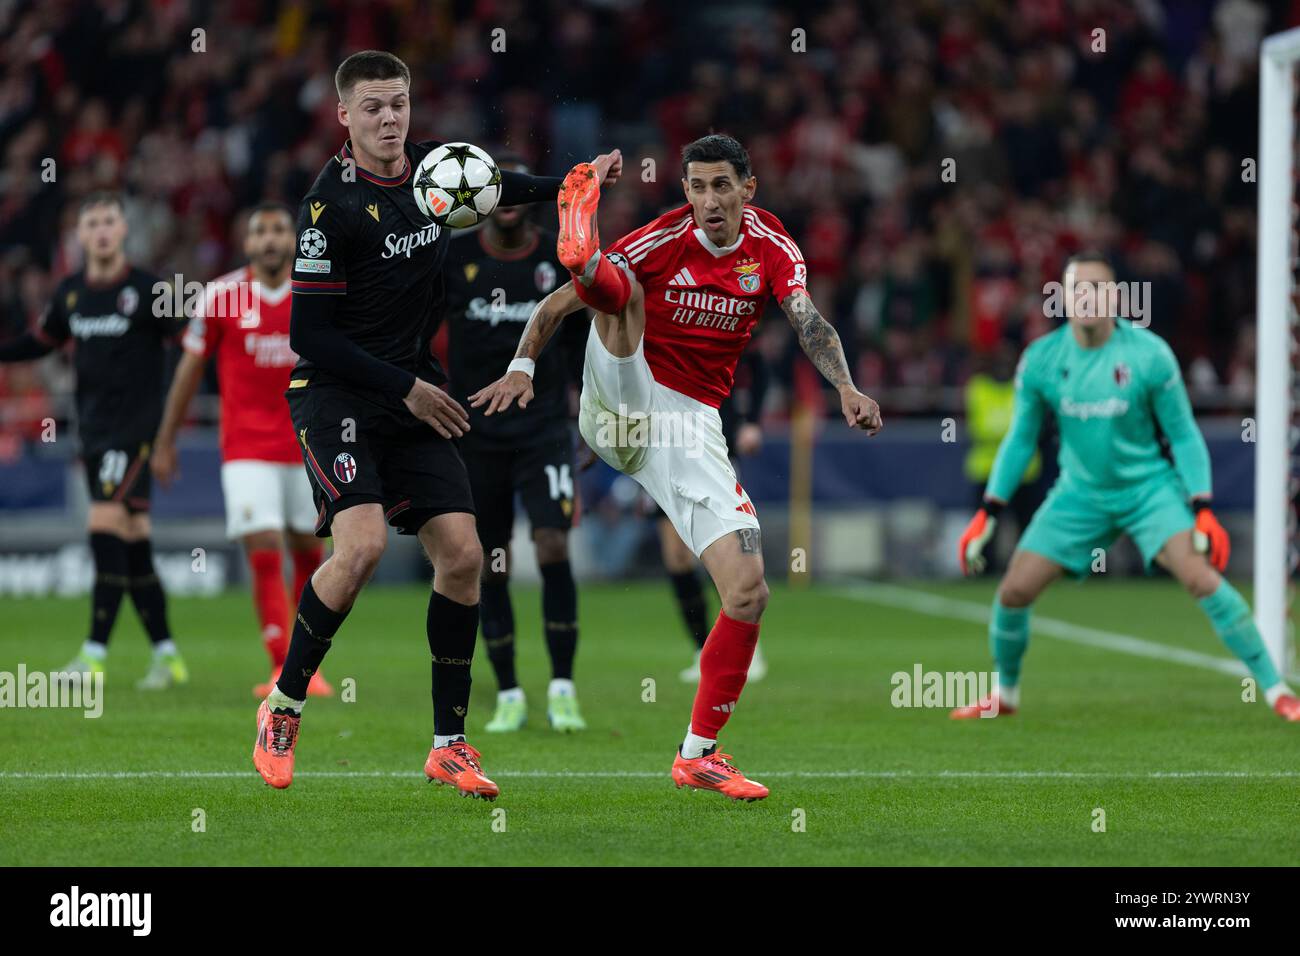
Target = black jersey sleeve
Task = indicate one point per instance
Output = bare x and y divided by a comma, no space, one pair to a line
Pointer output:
53,326
24,348
520,188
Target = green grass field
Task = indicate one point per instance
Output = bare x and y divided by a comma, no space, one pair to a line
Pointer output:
1185,772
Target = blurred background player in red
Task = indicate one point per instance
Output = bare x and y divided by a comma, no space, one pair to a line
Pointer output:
244,324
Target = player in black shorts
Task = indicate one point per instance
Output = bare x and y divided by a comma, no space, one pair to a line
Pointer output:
495,277
107,310
376,431
740,412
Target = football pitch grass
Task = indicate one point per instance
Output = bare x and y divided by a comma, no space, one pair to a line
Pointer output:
1184,771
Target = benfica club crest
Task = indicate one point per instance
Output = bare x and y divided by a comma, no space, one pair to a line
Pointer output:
749,279
1122,375
345,467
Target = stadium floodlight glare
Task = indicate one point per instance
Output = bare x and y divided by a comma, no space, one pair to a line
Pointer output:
1277,453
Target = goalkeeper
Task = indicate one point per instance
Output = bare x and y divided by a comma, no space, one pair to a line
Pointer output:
1114,389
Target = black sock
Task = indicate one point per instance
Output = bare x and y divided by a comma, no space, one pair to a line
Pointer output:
314,627
690,598
112,575
560,617
452,630
498,619
146,590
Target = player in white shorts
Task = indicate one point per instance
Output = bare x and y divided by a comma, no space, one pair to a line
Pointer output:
244,323
676,302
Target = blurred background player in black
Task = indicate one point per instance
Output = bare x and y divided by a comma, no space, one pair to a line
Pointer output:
495,276
740,412
107,308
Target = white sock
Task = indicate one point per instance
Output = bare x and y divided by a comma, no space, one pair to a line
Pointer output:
560,687
446,741
94,650
1277,690
163,648
278,701
589,271
514,693
1009,694
694,746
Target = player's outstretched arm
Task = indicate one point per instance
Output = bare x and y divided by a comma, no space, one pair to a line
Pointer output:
1014,453
24,348
821,343
1173,412
185,384
518,189
517,384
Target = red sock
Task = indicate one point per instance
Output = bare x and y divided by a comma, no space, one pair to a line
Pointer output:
305,564
609,289
724,665
271,601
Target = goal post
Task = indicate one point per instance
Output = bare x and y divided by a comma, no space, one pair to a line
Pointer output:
1275,320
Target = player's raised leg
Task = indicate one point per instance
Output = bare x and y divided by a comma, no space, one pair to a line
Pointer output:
360,536
1026,578
452,544
1230,617
735,561
597,281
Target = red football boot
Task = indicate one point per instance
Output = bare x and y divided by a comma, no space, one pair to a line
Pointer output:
458,765
991,706
277,735
713,772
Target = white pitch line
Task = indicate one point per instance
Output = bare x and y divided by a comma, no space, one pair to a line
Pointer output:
934,605
652,775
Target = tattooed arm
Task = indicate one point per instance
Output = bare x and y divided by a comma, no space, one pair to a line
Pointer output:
821,343
517,385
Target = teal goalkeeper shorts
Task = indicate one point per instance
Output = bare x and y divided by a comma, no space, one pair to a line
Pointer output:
1074,522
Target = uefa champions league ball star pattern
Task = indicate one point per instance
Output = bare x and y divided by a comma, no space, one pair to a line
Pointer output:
457,185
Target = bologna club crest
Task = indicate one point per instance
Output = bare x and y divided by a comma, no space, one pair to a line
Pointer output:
345,467
1122,374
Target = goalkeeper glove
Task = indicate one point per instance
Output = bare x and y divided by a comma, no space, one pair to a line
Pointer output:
1208,537
970,550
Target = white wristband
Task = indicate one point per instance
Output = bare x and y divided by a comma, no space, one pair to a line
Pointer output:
525,365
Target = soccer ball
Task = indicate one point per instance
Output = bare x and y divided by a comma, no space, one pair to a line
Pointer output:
457,185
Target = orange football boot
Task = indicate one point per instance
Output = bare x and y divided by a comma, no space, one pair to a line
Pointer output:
277,734
263,691
458,764
579,198
1287,707
987,707
318,686
713,772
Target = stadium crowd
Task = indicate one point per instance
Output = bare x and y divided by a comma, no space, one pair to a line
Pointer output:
937,161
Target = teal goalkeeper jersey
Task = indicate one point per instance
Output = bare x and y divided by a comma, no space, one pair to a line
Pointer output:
1111,404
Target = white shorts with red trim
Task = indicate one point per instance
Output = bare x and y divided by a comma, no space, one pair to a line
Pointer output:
266,496
670,443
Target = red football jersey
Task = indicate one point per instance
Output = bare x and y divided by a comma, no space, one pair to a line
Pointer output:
246,327
702,301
